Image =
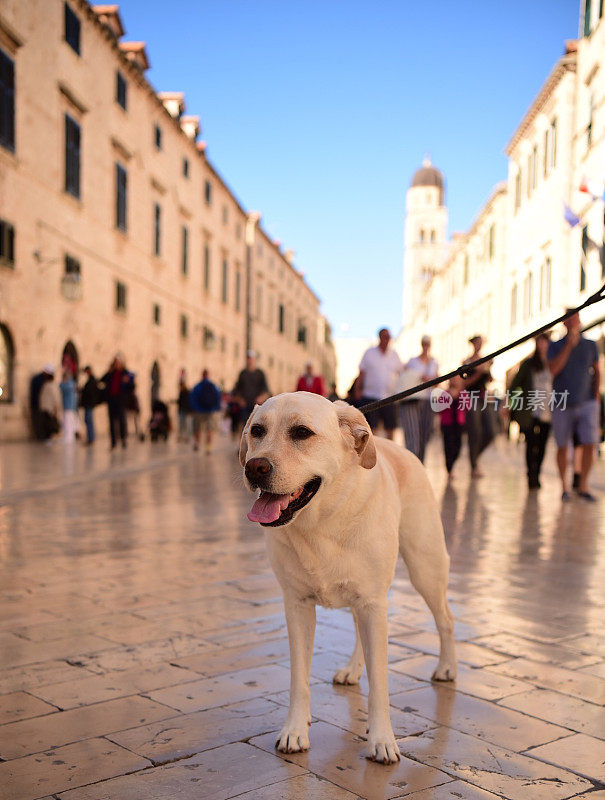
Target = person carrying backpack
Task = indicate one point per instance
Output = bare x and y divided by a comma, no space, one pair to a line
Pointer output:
205,401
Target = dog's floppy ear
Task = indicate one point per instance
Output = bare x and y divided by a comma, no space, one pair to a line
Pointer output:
357,433
243,442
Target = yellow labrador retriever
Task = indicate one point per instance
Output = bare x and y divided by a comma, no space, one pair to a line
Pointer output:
337,506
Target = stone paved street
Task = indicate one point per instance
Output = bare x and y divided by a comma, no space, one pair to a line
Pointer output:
143,650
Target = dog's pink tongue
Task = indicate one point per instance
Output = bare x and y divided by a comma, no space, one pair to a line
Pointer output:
268,507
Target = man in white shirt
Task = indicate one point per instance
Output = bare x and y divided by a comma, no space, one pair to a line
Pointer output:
378,371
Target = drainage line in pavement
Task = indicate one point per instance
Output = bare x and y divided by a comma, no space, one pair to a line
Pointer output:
465,370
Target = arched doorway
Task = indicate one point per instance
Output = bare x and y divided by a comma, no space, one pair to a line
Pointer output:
155,382
70,360
7,357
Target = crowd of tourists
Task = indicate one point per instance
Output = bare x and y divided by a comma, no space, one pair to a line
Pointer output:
55,407
556,389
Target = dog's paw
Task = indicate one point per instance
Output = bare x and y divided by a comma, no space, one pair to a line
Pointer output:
348,675
383,749
444,672
293,739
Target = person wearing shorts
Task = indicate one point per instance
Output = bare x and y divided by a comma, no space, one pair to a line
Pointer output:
205,402
574,365
377,372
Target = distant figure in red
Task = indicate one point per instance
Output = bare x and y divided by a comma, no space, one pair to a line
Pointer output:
308,382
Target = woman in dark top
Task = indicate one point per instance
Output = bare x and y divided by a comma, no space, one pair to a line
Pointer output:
479,421
529,394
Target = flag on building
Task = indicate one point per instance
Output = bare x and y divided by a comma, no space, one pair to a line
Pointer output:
592,187
570,217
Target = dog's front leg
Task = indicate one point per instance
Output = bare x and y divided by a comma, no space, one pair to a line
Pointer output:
372,622
300,618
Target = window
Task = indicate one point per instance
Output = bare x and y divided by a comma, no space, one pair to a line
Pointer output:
72,29
585,241
157,314
587,10
492,241
528,296
518,179
225,282
238,290
301,335
121,88
72,265
157,137
590,121
7,244
185,167
281,318
120,296
513,305
534,167
603,250
121,189
72,157
7,102
529,175
432,237
185,250
546,143
421,236
208,192
7,355
545,281
553,143
206,267
157,229
184,326
208,338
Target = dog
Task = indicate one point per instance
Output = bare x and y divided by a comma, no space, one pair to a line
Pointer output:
337,506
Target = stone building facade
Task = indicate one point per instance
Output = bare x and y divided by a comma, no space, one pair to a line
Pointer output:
117,233
521,263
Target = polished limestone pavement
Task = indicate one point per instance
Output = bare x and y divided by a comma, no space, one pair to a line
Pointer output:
143,651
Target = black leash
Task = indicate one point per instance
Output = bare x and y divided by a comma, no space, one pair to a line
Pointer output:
465,370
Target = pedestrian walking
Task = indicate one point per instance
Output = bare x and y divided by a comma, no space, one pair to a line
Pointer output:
415,412
378,370
479,417
69,399
453,420
117,383
36,385
184,410
574,365
90,396
333,396
48,406
251,388
309,382
530,393
205,402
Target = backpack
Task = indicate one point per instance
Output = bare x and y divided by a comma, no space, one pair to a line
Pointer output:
207,396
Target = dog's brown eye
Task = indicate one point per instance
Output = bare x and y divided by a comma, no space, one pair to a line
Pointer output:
301,432
257,431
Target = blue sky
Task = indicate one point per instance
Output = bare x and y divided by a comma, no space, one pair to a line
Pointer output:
317,113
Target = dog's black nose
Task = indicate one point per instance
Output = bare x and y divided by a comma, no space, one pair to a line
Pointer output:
258,469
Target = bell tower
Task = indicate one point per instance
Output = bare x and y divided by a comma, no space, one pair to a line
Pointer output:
425,235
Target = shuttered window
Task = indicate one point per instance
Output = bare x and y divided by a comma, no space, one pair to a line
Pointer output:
7,102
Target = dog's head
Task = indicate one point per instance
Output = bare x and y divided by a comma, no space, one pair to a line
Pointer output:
295,444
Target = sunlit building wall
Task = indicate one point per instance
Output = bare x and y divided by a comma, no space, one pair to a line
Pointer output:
117,233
